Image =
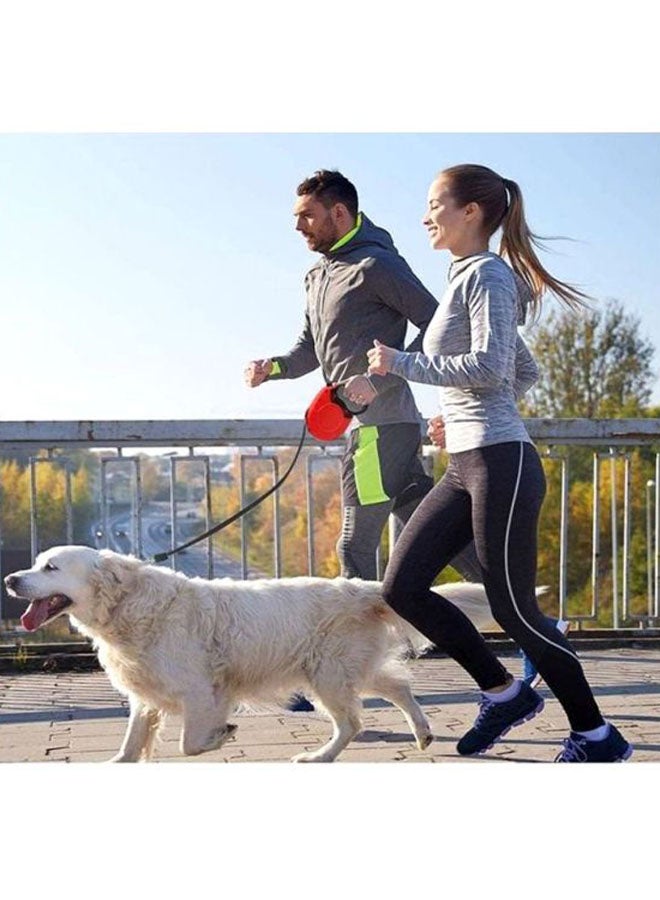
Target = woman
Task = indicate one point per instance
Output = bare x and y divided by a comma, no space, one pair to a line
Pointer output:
494,484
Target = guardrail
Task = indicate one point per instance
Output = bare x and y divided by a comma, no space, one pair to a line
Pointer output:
623,447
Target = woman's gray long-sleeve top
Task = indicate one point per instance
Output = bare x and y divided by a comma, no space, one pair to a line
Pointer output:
473,352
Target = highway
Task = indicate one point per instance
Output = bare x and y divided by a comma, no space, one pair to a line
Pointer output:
156,538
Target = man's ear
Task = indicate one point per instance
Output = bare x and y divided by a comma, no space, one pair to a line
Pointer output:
341,216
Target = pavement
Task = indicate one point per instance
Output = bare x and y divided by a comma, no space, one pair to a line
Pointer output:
78,717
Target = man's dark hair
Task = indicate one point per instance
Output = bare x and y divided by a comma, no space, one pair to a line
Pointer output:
330,187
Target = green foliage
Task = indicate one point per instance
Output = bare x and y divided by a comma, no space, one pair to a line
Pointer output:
579,563
595,364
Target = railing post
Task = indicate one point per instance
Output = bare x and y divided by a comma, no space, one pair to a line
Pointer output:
309,496
656,552
615,540
243,501
34,512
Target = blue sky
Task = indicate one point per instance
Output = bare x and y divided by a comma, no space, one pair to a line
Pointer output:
140,272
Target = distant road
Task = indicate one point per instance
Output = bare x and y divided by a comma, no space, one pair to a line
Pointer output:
156,538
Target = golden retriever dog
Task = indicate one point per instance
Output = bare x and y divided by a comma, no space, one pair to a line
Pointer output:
199,648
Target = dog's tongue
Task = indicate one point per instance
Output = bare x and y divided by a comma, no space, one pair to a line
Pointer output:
35,615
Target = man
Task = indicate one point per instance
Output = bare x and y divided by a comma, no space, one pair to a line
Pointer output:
360,289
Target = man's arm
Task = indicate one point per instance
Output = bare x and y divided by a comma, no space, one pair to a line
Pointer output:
402,290
398,287
300,360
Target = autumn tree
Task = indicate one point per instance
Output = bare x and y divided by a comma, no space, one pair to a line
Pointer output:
259,524
50,496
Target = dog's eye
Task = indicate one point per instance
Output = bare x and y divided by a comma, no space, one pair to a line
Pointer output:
49,567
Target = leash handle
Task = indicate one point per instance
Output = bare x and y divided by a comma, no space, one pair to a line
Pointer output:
162,557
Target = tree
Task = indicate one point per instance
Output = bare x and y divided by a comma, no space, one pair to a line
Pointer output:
594,364
155,484
50,511
258,524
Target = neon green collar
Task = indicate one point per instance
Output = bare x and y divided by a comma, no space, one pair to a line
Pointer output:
349,234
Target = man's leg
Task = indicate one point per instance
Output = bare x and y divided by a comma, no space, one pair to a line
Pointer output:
366,499
358,542
365,511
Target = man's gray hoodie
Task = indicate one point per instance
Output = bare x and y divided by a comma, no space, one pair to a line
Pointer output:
358,292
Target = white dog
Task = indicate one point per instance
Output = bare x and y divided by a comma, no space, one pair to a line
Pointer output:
198,648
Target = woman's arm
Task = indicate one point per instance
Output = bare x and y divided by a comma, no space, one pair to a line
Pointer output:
491,306
527,371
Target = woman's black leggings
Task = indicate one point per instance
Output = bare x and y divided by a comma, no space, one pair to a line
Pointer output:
494,495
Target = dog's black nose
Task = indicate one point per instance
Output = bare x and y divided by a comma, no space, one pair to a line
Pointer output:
11,581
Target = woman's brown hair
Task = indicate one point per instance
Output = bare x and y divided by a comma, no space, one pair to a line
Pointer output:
502,206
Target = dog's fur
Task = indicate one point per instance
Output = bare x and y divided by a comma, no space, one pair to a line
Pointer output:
199,648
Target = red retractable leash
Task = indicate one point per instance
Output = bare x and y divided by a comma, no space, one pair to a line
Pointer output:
326,418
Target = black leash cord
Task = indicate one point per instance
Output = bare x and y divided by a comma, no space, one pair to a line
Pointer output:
161,557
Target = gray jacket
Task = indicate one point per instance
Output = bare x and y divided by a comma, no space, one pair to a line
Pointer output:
473,352
361,291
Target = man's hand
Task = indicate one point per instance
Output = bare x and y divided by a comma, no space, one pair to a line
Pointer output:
358,389
381,359
436,431
257,372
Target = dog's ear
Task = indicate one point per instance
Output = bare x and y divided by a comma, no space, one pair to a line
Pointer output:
113,579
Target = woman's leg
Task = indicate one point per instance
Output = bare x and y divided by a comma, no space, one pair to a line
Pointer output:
439,528
507,486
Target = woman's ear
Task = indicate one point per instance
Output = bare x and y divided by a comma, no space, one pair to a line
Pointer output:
471,211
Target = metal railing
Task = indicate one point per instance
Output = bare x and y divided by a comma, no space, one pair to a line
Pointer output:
119,447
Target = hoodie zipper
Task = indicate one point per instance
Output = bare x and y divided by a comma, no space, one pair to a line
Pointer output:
321,313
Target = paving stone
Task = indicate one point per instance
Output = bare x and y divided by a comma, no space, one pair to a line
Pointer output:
79,717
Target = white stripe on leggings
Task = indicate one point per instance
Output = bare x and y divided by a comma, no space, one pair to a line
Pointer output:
506,566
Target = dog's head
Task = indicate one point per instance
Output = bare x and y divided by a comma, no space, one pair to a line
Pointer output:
83,582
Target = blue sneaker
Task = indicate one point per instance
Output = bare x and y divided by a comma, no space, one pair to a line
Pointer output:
613,748
496,719
531,675
299,703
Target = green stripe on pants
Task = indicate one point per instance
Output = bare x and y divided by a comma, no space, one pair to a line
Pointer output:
366,467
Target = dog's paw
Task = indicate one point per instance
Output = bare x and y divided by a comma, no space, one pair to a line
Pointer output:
219,737
312,757
423,740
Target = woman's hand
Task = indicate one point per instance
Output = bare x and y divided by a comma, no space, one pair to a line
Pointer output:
381,359
436,431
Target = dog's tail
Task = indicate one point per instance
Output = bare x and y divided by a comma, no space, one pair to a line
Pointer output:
470,598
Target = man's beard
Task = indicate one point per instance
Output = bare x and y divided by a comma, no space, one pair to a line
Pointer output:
327,239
